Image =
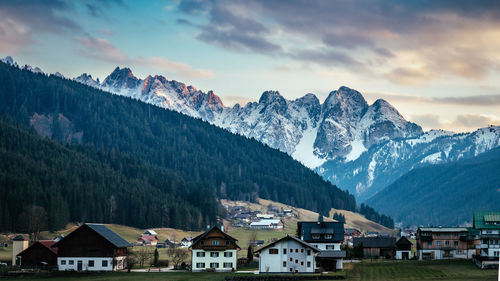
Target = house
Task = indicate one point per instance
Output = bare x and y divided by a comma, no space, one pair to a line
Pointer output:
403,249
267,224
40,253
171,244
288,212
287,255
372,234
19,244
435,243
150,232
487,226
92,247
147,240
186,242
214,250
352,232
265,216
376,247
327,237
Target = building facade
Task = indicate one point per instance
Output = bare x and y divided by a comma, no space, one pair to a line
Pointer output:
214,250
487,227
327,237
287,255
377,247
267,224
92,247
434,243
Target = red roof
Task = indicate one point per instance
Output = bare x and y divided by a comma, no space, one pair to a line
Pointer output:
48,244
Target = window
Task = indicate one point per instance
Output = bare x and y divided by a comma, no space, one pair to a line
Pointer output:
447,243
104,263
296,261
228,265
200,254
438,243
273,251
496,253
284,264
215,242
447,235
291,269
200,265
91,263
308,252
308,264
214,265
284,251
227,242
71,262
429,243
459,252
315,236
291,259
228,254
296,250
302,263
330,247
328,236
63,262
202,243
455,243
301,250
214,255
438,235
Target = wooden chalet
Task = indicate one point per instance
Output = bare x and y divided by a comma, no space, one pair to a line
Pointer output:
39,254
214,250
92,247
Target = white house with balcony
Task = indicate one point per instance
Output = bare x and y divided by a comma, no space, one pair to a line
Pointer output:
487,225
214,250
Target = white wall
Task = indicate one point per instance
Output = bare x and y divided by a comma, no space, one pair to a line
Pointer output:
207,259
323,246
399,255
273,263
85,263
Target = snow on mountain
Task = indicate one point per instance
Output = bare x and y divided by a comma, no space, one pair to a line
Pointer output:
343,127
382,164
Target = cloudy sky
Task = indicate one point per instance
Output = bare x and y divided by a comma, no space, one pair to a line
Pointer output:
437,62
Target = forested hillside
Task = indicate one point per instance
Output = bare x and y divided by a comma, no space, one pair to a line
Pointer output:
445,194
230,166
78,183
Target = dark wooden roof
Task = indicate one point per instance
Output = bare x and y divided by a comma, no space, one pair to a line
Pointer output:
102,230
288,237
201,236
403,241
375,242
45,243
306,229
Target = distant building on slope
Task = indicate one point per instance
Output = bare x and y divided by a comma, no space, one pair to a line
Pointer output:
267,224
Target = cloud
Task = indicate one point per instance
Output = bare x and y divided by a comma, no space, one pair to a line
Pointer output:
102,50
405,42
476,100
184,22
174,68
462,122
21,20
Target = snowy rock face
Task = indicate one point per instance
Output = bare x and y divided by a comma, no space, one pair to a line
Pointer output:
343,127
382,164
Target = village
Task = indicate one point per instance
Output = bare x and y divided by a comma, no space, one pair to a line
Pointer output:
319,246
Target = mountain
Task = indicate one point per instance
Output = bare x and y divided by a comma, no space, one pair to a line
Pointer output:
443,194
79,183
229,165
382,164
341,128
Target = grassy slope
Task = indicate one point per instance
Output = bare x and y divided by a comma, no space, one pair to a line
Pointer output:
366,270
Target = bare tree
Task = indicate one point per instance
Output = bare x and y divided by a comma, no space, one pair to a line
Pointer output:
143,255
177,255
131,260
32,220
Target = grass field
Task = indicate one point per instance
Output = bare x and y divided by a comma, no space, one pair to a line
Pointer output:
366,270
